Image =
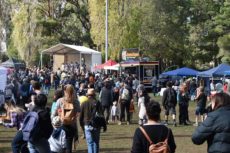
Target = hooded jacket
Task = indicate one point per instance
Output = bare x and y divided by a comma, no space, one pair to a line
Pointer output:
216,130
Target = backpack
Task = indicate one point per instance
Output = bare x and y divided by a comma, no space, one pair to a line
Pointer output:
125,94
160,147
98,119
31,128
68,114
171,97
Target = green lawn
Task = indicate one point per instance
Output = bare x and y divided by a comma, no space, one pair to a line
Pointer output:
118,138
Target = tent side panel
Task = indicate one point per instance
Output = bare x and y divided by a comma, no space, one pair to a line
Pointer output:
96,60
57,61
88,60
72,58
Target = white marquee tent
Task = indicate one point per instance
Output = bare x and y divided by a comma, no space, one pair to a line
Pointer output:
64,53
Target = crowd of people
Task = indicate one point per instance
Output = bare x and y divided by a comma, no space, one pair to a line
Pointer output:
96,100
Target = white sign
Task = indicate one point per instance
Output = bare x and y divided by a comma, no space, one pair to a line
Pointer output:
3,76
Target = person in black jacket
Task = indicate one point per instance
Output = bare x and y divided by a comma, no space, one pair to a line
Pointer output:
154,129
106,98
41,144
183,100
169,102
216,127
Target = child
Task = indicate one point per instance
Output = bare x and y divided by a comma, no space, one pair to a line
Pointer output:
131,110
58,94
114,112
57,140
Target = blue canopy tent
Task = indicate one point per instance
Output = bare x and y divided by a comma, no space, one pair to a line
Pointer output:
185,71
218,71
226,73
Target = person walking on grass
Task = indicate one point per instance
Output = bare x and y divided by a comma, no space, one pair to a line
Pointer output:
216,127
106,99
68,108
125,98
154,130
201,99
88,112
169,102
38,143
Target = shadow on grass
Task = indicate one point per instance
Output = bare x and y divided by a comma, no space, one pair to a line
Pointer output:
5,150
182,136
5,140
111,150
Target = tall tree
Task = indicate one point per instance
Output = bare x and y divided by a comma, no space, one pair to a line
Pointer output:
203,36
222,21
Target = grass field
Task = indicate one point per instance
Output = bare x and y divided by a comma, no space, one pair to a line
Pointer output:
118,138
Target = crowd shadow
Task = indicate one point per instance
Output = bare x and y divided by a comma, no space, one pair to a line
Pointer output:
183,136
110,150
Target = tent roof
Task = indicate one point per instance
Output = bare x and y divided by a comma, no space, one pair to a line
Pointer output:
69,49
227,73
108,63
185,71
13,63
216,71
114,67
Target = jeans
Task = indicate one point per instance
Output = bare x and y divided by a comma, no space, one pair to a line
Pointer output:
92,136
107,109
40,146
18,144
46,89
125,107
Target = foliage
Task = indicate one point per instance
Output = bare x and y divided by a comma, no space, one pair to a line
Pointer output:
176,32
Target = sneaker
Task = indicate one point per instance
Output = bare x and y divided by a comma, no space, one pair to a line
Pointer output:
128,123
119,123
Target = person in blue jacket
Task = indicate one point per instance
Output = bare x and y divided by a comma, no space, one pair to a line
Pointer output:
216,127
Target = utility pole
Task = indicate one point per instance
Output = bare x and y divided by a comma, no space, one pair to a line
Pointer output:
106,31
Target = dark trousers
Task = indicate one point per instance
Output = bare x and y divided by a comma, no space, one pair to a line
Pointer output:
183,112
107,109
18,144
154,88
124,106
70,134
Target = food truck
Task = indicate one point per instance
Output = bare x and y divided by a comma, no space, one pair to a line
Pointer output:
135,63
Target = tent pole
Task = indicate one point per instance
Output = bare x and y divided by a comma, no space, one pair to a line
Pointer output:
41,60
80,62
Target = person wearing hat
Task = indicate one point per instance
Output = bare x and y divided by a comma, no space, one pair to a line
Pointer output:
57,140
92,134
